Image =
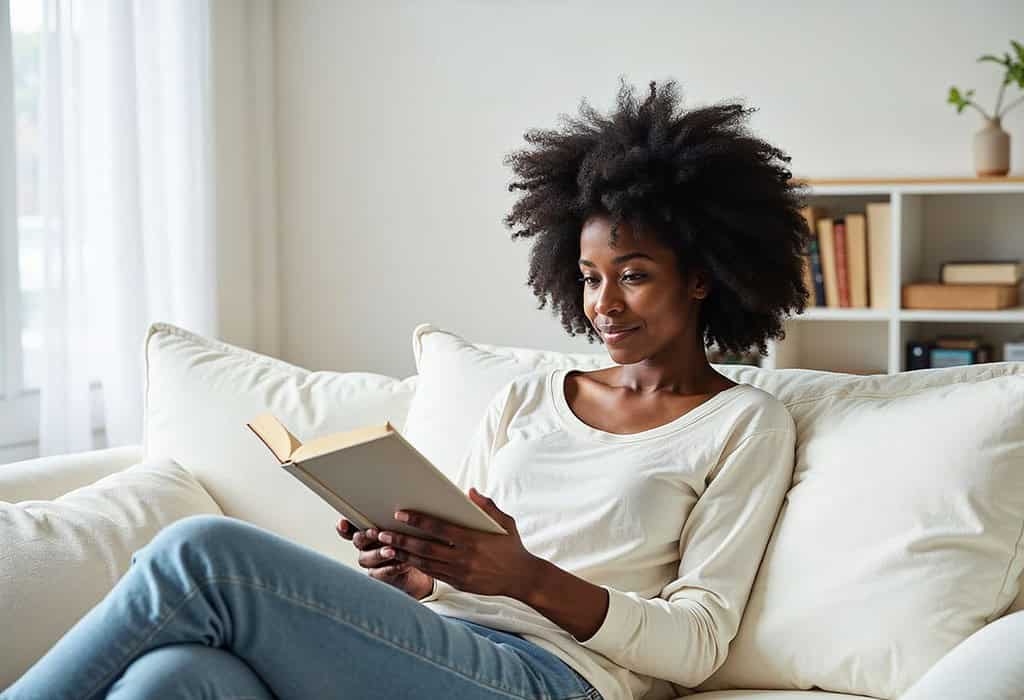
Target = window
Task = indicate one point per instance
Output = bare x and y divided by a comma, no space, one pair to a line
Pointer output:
26,16
21,268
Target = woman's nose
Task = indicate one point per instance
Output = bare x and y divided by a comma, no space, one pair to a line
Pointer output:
609,299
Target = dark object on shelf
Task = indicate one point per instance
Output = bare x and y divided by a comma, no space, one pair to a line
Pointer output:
954,357
918,355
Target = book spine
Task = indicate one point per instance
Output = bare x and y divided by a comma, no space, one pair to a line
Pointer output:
816,274
842,271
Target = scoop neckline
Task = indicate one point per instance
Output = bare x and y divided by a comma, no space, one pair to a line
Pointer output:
556,386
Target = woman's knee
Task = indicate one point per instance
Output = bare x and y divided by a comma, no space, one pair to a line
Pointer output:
202,535
189,671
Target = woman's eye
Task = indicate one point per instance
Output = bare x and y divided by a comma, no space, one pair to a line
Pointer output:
628,277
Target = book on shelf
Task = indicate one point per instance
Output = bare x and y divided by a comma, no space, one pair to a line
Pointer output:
981,272
857,260
946,297
879,225
959,342
826,246
842,267
369,473
813,279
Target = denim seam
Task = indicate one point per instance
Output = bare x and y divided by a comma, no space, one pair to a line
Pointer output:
326,612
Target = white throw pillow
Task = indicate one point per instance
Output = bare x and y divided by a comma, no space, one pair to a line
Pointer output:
201,392
61,557
900,537
456,381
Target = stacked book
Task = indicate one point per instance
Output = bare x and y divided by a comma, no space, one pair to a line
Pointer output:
968,284
848,257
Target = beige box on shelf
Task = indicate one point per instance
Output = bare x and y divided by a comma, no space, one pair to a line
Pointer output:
974,297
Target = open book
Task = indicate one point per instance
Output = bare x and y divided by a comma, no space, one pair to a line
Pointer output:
369,473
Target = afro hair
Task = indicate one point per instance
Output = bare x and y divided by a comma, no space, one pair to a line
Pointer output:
720,198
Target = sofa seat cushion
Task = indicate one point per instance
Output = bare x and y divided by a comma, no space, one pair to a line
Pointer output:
60,557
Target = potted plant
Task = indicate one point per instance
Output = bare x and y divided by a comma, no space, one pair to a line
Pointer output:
992,144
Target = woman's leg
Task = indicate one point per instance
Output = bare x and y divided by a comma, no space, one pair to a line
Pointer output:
191,671
306,625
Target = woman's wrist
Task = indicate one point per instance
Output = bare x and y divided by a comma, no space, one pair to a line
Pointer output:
431,586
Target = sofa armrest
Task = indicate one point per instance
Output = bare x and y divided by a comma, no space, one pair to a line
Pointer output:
47,478
988,665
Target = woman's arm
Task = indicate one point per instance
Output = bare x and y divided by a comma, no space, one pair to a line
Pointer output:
683,634
575,605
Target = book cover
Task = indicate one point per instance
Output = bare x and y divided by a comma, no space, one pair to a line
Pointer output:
842,269
369,473
857,260
981,272
826,246
879,234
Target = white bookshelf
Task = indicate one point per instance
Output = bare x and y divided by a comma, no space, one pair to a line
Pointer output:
933,220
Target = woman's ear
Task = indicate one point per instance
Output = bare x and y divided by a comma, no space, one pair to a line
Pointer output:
700,283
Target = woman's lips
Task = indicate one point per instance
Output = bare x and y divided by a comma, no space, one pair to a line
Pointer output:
617,337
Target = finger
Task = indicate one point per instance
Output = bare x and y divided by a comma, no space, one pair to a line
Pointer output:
366,539
417,545
373,558
491,508
435,526
345,529
432,567
390,571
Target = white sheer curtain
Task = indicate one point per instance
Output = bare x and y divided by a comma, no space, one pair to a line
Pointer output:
127,185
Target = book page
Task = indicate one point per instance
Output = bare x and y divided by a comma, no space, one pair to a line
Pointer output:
275,436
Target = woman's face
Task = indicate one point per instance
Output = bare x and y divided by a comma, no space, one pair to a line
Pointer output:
636,285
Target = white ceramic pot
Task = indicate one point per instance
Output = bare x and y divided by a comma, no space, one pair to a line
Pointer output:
992,150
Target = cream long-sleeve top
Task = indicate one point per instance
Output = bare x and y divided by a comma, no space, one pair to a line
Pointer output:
671,521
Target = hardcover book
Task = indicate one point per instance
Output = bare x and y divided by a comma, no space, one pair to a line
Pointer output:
369,473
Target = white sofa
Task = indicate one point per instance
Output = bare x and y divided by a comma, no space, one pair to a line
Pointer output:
894,569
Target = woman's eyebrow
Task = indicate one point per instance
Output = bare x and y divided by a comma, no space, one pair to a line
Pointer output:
620,259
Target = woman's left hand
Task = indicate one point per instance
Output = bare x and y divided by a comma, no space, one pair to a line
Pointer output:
476,562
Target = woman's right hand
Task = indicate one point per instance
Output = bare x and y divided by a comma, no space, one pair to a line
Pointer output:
391,571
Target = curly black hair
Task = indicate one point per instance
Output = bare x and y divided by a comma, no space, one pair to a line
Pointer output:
720,198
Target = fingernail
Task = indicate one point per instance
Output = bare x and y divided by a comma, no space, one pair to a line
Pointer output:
385,537
402,515
387,552
371,532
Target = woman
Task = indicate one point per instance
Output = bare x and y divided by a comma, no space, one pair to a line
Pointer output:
638,498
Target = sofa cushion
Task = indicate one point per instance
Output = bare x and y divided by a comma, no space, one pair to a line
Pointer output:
61,557
456,380
900,537
199,395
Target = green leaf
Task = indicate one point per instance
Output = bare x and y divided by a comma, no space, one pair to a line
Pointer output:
1019,48
993,59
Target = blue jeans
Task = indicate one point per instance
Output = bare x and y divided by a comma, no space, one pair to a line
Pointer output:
215,607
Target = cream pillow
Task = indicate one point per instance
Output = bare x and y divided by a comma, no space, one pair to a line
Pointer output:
61,557
900,537
201,392
457,379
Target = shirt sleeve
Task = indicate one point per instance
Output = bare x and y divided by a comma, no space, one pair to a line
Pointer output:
683,635
472,469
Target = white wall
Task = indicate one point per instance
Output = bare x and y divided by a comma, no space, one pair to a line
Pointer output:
393,118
